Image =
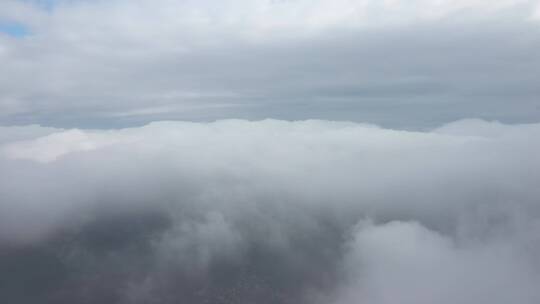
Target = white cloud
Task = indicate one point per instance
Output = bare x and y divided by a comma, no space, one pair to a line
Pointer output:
403,262
453,213
431,175
536,14
263,15
53,146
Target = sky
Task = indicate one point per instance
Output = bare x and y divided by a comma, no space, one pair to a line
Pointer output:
401,64
269,151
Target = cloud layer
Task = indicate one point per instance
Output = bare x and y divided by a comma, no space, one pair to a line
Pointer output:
270,212
407,64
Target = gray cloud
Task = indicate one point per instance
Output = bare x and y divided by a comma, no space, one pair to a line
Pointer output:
119,63
270,212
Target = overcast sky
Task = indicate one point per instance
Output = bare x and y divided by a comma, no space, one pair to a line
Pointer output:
406,64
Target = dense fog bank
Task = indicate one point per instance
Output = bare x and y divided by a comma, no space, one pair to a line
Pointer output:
270,212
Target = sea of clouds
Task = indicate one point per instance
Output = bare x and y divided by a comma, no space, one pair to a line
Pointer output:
271,211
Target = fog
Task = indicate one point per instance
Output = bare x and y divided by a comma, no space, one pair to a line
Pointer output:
270,211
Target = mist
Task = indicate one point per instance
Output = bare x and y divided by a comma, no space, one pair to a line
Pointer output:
270,211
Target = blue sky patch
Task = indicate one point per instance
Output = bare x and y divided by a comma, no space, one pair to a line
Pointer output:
14,29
